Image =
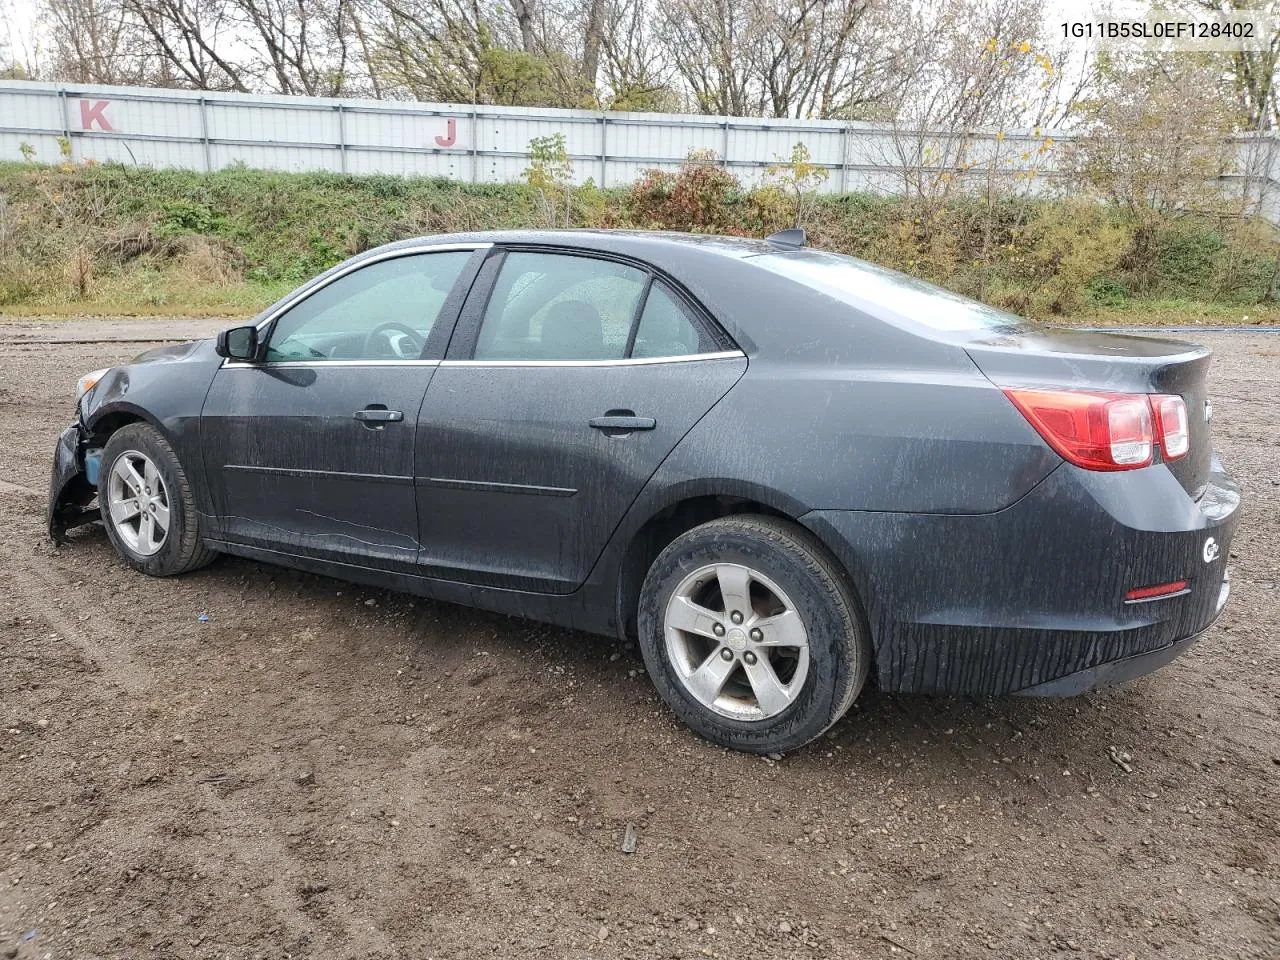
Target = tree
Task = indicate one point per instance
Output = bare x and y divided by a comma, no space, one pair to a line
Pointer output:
789,58
1253,72
185,36
1155,134
550,174
973,62
516,78
97,41
304,46
801,178
469,51
635,74
592,41
16,62
711,43
831,59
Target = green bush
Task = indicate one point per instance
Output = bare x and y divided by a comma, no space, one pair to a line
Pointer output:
183,216
237,238
701,197
1184,256
1105,291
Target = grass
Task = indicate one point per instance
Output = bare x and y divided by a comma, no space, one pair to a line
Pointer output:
180,298
1175,313
159,295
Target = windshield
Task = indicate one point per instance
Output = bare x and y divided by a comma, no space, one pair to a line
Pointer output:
879,289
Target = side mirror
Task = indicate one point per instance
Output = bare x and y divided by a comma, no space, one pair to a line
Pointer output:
238,343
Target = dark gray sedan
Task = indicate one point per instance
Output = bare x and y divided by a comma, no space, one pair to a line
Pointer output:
781,470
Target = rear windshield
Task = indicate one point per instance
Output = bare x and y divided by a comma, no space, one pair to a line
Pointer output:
879,290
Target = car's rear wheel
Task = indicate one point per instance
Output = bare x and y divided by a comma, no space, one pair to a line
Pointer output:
147,504
751,633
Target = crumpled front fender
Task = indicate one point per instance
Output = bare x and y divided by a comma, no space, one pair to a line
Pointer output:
70,491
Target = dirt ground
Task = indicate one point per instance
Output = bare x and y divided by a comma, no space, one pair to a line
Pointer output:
322,770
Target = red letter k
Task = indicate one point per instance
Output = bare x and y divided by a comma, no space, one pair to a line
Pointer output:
90,114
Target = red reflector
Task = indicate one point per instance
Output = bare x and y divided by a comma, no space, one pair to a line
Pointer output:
1154,593
1097,431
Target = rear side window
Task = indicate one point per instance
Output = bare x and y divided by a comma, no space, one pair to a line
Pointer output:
871,287
668,328
548,306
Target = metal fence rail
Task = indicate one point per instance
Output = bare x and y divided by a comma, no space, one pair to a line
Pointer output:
480,144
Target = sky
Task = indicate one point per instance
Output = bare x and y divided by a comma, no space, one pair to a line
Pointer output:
18,31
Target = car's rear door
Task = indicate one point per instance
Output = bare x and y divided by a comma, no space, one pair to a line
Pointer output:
310,452
568,381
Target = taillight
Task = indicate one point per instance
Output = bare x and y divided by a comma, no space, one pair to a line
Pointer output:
1171,426
1097,431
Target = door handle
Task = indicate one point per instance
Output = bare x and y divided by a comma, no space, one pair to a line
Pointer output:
378,414
622,422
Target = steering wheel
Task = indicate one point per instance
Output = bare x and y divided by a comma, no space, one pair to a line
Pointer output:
397,344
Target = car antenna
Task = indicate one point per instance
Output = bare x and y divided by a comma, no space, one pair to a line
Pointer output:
789,238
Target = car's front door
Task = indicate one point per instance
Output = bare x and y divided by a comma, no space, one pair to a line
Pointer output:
310,451
568,381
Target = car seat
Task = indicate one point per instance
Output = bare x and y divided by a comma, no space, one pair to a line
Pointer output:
572,330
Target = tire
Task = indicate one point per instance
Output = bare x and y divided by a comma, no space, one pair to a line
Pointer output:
180,550
787,568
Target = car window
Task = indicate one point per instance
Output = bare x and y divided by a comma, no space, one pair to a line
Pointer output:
667,329
384,311
547,306
867,285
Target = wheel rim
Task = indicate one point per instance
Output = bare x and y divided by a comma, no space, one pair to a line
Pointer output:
737,642
138,502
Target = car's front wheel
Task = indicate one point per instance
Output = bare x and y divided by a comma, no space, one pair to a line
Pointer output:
751,633
147,504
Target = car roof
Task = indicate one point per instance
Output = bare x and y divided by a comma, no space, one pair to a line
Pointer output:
638,242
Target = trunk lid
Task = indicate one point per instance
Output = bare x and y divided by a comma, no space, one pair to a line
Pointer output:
1082,360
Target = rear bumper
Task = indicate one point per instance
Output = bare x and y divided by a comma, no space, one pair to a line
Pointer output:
1118,671
1031,599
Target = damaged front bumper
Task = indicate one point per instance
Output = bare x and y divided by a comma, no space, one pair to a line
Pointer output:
73,486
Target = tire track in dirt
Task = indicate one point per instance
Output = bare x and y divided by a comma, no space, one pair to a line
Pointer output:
105,645
291,887
294,888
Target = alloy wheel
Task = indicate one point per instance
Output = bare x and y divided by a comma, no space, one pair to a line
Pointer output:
736,641
138,503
